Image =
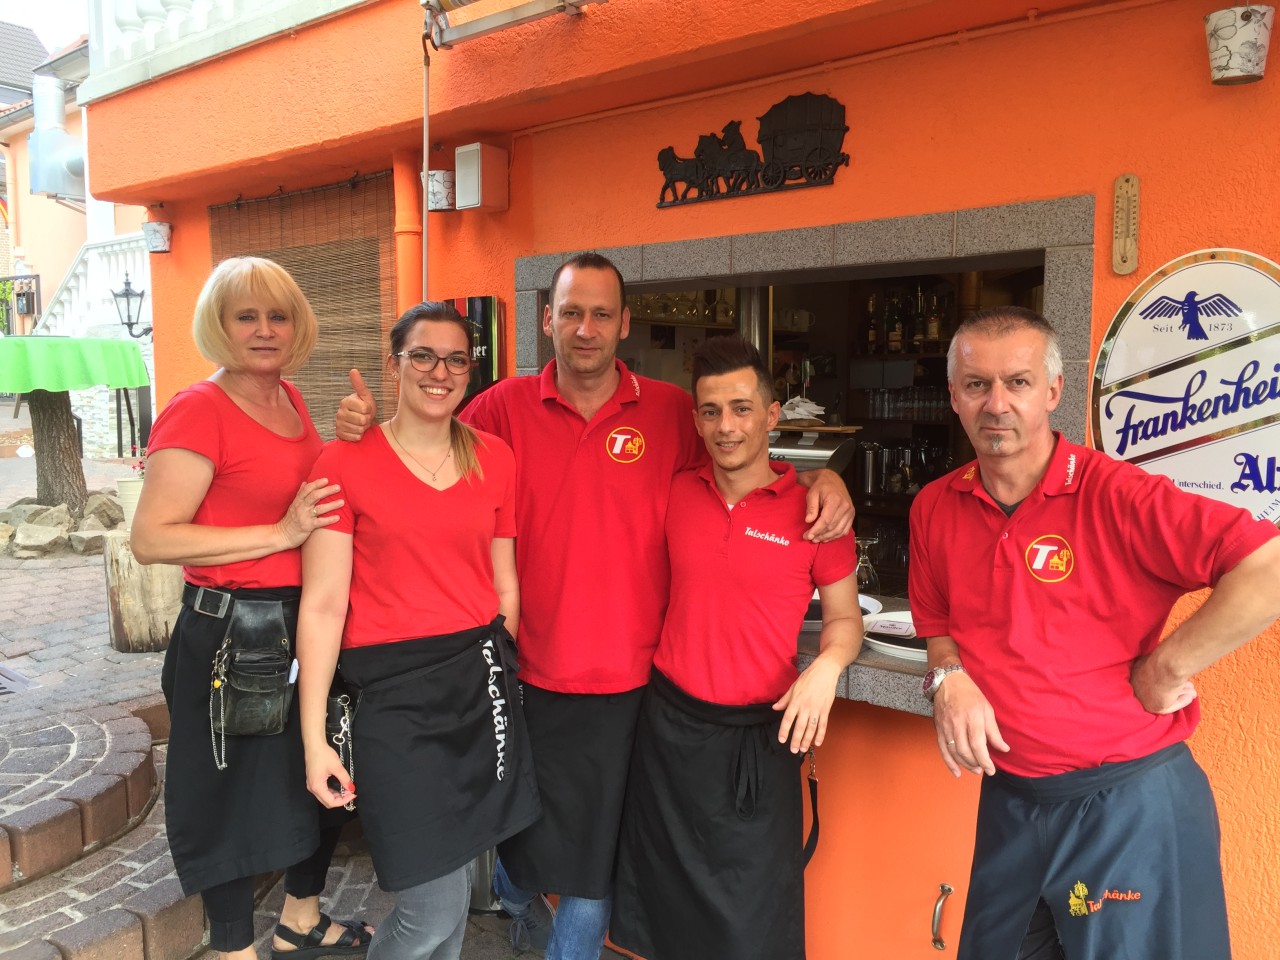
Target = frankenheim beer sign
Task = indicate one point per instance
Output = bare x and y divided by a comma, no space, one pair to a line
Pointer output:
1187,382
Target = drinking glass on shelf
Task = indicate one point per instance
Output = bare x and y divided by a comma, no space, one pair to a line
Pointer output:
868,579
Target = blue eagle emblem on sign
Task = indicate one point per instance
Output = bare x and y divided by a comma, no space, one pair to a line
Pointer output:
1214,305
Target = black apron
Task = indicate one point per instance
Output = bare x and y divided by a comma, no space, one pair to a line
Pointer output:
443,766
582,749
256,815
710,863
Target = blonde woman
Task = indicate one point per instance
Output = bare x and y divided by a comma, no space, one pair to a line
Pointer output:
407,595
227,496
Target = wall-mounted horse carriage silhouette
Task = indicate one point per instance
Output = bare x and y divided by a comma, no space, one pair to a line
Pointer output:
801,138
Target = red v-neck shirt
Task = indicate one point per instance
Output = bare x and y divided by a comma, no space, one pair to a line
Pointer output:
422,562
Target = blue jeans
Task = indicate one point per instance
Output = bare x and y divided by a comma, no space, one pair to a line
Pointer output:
579,927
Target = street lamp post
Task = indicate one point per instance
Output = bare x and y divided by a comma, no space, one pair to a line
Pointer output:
129,306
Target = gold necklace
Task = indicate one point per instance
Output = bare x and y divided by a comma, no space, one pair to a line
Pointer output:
433,473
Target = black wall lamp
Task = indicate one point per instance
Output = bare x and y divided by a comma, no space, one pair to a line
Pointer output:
129,306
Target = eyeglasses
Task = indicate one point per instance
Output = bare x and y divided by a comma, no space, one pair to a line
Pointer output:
424,361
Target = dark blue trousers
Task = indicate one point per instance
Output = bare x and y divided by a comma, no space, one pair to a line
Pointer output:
1125,855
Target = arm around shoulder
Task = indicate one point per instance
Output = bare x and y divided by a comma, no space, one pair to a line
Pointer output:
828,505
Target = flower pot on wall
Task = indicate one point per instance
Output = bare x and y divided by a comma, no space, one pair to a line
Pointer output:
159,236
129,489
440,189
1238,39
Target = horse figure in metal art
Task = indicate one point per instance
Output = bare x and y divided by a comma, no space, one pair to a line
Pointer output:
691,171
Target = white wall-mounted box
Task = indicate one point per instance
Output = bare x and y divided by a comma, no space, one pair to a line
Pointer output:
480,181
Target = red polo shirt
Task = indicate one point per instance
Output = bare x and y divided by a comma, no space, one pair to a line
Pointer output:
590,504
741,580
1051,606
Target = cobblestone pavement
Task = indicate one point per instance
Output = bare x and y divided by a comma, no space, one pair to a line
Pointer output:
53,631
53,618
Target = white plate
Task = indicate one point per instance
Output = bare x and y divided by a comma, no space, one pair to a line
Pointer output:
892,649
870,605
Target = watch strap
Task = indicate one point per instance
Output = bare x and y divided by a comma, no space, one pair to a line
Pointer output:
933,679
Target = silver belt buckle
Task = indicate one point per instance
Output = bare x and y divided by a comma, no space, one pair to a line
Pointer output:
220,599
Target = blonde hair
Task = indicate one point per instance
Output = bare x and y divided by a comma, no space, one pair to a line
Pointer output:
264,280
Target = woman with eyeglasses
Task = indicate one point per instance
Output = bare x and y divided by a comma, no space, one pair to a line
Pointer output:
412,596
227,496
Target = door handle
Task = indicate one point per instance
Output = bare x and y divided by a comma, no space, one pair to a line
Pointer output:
944,890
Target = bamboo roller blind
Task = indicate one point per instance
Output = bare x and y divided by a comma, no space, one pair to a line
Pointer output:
338,243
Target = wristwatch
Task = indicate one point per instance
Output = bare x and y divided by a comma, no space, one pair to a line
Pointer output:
933,679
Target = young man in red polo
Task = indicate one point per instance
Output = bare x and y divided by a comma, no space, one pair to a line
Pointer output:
596,447
710,861
1043,574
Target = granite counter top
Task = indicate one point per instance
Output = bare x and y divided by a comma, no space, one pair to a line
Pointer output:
876,678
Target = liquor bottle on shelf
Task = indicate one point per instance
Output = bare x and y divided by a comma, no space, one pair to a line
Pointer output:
918,322
933,325
893,323
872,341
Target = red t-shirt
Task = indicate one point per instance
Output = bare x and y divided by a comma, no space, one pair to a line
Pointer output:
592,497
421,560
1051,606
741,581
256,474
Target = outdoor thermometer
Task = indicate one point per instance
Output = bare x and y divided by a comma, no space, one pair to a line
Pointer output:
1124,228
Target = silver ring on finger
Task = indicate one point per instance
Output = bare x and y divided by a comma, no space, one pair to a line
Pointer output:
313,512
813,721
951,743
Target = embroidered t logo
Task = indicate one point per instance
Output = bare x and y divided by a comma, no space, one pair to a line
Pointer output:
625,444
1050,559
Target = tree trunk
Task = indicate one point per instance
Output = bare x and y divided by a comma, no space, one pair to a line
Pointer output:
59,472
142,601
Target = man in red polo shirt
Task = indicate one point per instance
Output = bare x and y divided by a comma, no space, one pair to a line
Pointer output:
1043,574
710,860
596,447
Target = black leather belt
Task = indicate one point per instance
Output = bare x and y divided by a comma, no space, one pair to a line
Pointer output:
217,603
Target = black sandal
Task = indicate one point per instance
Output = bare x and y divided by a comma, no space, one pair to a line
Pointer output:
354,941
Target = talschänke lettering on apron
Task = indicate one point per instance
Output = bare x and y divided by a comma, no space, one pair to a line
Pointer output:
499,705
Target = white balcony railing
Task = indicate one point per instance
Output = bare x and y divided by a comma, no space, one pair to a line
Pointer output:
83,306
133,41
83,300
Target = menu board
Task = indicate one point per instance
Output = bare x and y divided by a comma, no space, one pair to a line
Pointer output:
1187,381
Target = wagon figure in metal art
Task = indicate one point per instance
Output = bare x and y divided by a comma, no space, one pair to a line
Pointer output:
801,139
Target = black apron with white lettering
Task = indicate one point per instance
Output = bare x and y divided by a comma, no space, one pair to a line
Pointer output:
710,862
443,768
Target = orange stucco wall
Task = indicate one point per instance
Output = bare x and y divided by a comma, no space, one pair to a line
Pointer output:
1052,107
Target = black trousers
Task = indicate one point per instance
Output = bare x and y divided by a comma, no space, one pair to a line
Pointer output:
229,905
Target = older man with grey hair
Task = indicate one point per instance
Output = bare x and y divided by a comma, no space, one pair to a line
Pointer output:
1042,574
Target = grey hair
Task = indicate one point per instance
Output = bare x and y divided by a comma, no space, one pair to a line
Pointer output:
1002,321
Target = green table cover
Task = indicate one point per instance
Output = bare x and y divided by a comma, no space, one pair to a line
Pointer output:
69,363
